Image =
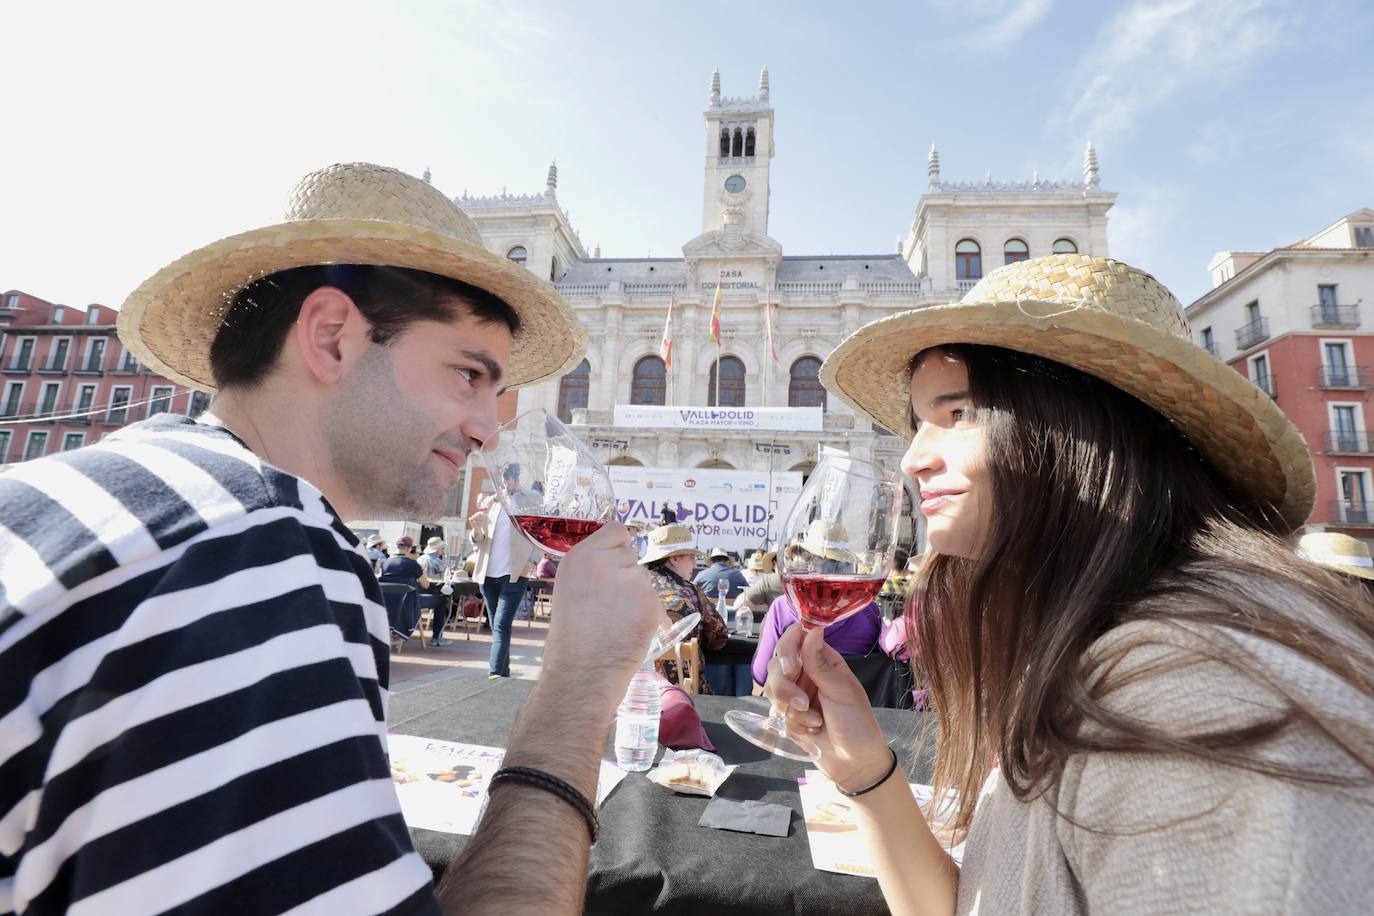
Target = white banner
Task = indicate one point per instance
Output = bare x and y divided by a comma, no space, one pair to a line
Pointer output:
736,510
782,419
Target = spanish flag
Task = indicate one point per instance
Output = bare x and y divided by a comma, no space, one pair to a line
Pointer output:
715,314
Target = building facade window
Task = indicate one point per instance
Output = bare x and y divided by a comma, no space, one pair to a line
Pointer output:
93,315
1209,342
804,384
518,254
731,383
129,362
725,143
4,446
968,260
73,441
1354,502
749,142
197,403
1015,250
95,355
12,302
14,396
1364,236
37,445
57,361
47,399
1065,246
1337,368
1252,312
573,391
85,397
119,405
1259,374
161,401
649,383
23,354
57,313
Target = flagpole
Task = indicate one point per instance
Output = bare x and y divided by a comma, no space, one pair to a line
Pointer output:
768,357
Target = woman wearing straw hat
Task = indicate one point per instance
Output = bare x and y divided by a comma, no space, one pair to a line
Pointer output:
670,557
1146,701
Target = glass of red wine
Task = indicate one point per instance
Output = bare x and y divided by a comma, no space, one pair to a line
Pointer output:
549,482
837,550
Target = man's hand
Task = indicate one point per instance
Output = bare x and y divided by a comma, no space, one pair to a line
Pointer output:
605,611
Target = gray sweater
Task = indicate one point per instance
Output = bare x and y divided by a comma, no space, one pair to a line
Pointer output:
1179,835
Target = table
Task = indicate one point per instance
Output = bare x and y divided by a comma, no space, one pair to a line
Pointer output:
652,856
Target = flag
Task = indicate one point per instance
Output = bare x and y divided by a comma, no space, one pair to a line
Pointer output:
768,320
665,346
715,315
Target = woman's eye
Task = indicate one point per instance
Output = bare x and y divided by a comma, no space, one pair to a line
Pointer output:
960,414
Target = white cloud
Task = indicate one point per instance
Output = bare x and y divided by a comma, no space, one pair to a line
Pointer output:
997,23
1151,51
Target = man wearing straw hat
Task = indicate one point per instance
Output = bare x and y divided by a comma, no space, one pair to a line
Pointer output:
193,655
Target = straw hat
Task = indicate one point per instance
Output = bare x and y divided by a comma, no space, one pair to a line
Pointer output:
352,213
1336,551
828,540
718,553
434,542
668,541
1111,321
763,562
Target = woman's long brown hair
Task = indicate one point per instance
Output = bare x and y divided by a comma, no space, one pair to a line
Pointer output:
1104,513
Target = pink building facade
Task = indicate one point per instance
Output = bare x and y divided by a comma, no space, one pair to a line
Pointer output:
67,381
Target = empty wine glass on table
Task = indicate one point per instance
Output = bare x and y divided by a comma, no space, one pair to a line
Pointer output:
549,482
837,549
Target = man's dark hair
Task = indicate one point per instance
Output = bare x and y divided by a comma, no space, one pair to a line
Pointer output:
250,337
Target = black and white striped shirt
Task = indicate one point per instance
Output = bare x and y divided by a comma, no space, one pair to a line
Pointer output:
193,661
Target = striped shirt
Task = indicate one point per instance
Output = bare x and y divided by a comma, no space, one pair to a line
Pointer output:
193,663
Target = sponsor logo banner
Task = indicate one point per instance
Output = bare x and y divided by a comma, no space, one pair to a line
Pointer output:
783,419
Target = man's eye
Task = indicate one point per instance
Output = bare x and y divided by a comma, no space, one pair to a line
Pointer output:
467,374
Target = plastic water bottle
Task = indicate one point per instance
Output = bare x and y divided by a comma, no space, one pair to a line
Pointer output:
722,606
744,621
636,721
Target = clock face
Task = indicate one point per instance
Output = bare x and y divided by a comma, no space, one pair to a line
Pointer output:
734,184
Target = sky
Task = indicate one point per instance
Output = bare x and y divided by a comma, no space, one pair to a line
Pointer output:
136,132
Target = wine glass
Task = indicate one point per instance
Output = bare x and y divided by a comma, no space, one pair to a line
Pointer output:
549,482
838,542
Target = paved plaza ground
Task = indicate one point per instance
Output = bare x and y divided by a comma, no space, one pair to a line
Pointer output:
413,666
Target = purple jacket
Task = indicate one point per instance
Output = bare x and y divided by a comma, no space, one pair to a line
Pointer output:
855,635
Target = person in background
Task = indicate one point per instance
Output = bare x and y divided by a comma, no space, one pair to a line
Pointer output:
765,589
721,575
547,568
376,552
434,564
1340,553
505,560
670,559
856,634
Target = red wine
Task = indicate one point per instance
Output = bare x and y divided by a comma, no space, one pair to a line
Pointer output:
822,600
556,534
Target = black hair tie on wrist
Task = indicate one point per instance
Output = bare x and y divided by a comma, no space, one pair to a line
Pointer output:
886,776
550,783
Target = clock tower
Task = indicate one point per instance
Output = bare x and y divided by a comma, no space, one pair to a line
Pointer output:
739,144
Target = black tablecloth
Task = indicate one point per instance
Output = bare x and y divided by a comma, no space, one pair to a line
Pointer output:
652,857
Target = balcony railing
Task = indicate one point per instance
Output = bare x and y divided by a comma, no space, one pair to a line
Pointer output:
1252,333
1345,442
90,367
68,412
1335,316
966,285
20,367
1345,377
1268,385
1352,512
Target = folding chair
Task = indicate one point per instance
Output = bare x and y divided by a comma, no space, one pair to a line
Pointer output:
687,656
402,605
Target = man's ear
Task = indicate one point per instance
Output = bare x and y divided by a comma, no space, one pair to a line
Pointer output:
331,335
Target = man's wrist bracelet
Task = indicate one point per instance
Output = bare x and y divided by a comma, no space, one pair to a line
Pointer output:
550,783
886,776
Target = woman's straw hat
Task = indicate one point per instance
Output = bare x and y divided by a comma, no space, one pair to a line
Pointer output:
668,541
1337,551
352,213
828,540
1109,320
763,562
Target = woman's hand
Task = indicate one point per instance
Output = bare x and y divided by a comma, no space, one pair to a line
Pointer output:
826,703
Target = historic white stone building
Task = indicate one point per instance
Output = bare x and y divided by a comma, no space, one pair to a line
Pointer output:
960,230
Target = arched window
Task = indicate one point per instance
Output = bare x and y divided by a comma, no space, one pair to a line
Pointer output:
737,147
724,142
1015,250
1065,246
731,383
625,461
553,270
804,387
518,254
572,391
968,260
716,463
650,382
749,142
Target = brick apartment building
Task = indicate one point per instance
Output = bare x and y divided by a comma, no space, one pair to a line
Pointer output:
66,380
1293,320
